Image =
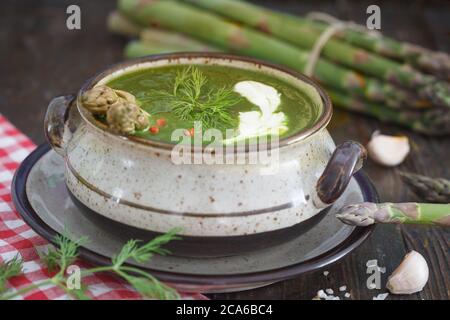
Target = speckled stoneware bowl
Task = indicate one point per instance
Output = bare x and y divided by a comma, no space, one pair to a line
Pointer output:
135,182
41,198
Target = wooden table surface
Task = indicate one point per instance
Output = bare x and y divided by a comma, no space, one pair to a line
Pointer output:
40,58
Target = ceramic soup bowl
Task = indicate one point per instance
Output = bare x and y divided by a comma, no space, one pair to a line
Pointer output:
136,182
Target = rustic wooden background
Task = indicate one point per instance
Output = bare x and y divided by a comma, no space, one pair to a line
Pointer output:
40,58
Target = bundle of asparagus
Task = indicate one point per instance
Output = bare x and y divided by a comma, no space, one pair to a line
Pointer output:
303,33
437,63
349,89
231,37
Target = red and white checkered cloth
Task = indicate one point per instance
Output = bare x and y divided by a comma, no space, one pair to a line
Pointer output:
16,237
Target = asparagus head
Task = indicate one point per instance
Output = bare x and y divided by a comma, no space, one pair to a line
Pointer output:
367,213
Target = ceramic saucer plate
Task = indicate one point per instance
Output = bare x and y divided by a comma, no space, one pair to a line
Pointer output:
42,199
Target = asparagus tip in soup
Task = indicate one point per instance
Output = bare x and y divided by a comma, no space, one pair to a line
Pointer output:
118,108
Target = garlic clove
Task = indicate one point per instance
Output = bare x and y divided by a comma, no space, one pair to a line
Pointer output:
388,150
410,276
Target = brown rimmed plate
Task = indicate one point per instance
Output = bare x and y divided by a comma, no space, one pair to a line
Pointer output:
40,196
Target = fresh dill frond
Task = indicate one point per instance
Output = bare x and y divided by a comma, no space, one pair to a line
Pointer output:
189,78
125,253
8,270
80,294
132,250
145,284
152,288
191,100
144,253
216,109
64,253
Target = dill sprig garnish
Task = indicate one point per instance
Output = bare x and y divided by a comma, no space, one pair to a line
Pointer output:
65,253
8,270
191,100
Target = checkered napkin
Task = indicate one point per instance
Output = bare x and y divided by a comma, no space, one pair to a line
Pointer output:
16,237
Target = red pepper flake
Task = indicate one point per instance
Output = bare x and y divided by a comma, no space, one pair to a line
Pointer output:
189,132
161,122
154,130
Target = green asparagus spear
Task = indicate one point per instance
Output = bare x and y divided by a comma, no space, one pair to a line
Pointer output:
136,48
174,39
119,24
433,122
434,190
153,40
438,125
235,38
367,213
437,63
303,34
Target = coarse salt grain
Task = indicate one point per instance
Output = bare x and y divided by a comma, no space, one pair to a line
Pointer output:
343,288
381,296
347,295
326,273
372,263
321,294
329,291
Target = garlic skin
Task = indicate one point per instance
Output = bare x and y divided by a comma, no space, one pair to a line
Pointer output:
410,276
388,150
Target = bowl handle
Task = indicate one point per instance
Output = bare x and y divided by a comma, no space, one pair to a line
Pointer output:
57,121
345,161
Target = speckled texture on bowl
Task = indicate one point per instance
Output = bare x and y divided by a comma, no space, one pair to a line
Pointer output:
137,183
40,196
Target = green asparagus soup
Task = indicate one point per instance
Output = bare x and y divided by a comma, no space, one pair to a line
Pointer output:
216,97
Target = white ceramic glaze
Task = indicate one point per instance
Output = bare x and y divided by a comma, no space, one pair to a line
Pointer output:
139,185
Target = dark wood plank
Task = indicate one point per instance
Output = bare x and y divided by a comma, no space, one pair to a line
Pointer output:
45,59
